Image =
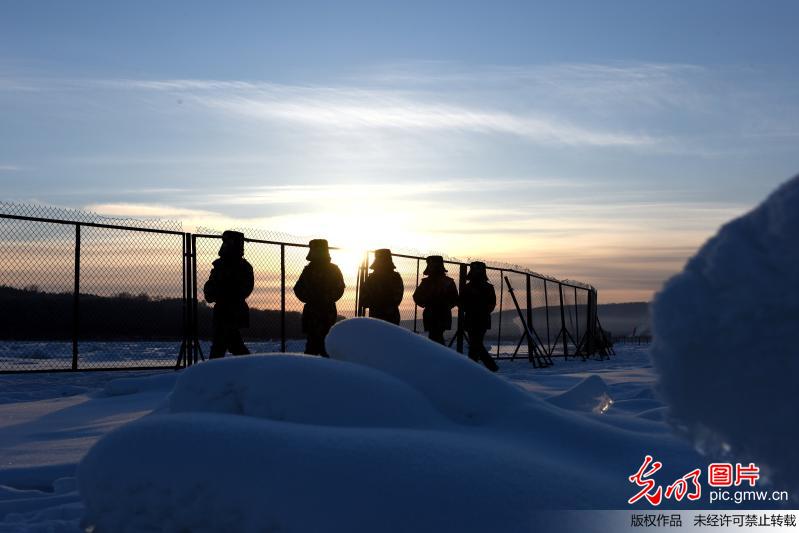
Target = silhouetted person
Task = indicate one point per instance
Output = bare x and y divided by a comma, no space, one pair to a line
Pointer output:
437,295
382,290
477,300
320,286
230,283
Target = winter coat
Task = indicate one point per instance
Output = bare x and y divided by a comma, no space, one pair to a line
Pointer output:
437,294
477,300
230,283
320,286
382,293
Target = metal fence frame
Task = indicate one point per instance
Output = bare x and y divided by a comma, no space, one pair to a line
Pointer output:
540,349
76,295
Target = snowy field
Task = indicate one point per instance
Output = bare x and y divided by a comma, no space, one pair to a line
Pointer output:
49,421
52,355
57,355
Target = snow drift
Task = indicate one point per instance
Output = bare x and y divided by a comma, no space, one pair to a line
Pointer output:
591,394
726,338
395,433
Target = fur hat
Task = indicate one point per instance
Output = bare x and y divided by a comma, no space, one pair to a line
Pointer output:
383,259
318,249
435,265
232,244
477,271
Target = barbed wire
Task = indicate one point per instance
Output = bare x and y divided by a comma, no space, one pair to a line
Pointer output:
85,216
259,234
277,236
81,215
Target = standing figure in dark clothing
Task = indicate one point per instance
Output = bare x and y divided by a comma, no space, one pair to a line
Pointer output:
320,286
437,295
477,300
230,283
382,290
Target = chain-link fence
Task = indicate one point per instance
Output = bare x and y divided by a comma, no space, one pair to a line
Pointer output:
536,317
85,292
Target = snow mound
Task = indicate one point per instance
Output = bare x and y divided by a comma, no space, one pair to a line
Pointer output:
273,387
395,433
726,338
445,377
128,386
590,395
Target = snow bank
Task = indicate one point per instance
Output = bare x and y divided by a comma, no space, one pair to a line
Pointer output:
445,377
134,385
590,395
394,433
275,388
726,338
238,474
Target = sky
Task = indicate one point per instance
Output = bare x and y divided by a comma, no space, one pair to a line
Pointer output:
596,141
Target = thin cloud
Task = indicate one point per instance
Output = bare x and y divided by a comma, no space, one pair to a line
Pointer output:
148,211
665,108
360,192
395,113
359,108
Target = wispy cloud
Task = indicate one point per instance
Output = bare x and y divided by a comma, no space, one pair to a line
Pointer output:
358,193
394,113
655,84
149,211
352,108
666,108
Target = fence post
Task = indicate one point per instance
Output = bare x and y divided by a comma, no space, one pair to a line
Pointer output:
530,344
76,301
563,323
546,314
194,302
184,353
364,275
589,324
461,286
416,307
283,298
358,288
576,320
499,319
359,281
192,326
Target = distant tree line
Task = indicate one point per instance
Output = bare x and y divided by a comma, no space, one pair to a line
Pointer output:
30,314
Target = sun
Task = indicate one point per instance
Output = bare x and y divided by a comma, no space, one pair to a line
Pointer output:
349,260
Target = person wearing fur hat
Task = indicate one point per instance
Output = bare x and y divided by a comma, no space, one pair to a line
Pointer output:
437,295
230,283
382,290
320,286
477,301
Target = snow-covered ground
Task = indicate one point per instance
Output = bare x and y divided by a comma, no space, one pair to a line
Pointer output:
57,355
43,356
49,421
